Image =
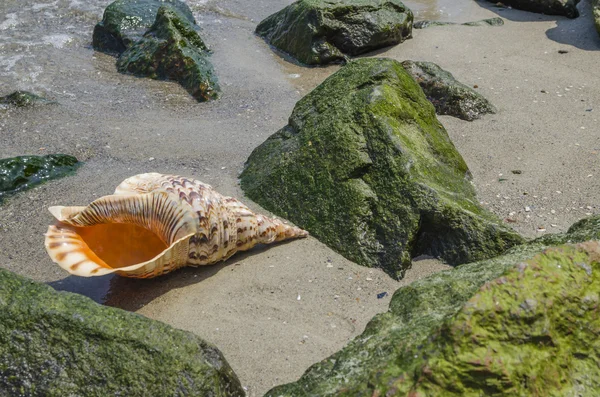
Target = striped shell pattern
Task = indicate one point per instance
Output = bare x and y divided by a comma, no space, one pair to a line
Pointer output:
154,224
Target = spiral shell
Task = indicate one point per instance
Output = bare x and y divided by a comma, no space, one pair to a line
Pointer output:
154,224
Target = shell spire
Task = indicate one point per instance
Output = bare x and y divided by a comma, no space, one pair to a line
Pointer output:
154,224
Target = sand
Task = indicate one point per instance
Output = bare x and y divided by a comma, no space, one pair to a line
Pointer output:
276,310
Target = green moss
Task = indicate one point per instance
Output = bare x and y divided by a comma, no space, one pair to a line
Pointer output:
125,22
365,166
448,96
437,339
23,99
62,344
596,14
317,32
23,172
172,49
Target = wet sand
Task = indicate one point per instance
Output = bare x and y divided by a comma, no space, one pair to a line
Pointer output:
274,311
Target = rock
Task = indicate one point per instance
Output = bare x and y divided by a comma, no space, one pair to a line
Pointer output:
365,167
23,172
172,49
497,327
596,14
567,8
318,32
449,96
125,22
23,99
483,22
63,344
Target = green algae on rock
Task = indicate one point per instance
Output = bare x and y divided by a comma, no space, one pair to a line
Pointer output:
125,22
365,167
596,14
23,172
22,99
448,96
567,8
318,32
482,22
63,344
172,49
451,334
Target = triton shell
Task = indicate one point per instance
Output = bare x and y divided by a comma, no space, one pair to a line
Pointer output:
154,224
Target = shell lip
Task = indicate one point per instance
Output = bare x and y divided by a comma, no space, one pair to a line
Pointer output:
101,267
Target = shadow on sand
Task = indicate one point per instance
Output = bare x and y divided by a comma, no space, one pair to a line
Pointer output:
579,32
132,294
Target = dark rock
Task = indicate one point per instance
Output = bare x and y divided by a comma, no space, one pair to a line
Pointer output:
567,8
63,344
596,14
511,325
449,96
483,22
23,172
172,49
318,32
23,99
366,167
125,22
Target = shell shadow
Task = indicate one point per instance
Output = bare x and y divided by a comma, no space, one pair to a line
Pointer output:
579,32
132,294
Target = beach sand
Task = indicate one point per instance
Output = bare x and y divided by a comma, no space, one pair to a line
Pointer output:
275,310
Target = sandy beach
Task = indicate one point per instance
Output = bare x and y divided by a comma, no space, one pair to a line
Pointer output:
276,310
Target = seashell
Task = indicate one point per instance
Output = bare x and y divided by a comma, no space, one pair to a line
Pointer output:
154,224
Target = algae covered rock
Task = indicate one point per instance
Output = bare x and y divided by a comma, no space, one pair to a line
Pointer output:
172,49
482,22
63,344
449,96
567,8
125,22
19,173
528,331
596,14
318,32
365,166
22,99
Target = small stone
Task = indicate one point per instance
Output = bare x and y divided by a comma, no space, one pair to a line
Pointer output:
298,298
527,209
151,159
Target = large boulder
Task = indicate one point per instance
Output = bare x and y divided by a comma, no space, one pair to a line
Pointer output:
318,32
22,172
63,344
125,22
567,8
448,95
172,49
366,167
508,326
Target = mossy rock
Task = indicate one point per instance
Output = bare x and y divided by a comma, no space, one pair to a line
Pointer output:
172,49
596,14
23,172
566,8
365,167
318,32
63,344
508,326
125,22
448,95
482,22
23,99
